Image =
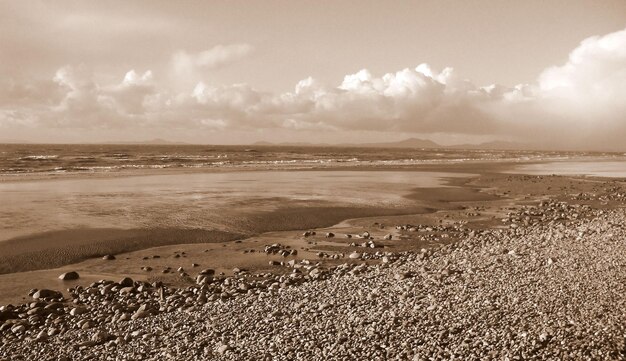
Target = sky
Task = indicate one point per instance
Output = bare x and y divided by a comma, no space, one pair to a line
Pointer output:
548,73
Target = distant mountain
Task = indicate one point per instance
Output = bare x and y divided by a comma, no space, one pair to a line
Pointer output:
293,144
410,143
156,141
407,143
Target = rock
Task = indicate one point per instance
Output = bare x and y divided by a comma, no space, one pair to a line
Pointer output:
403,275
223,348
108,257
354,255
42,336
7,315
45,293
80,310
87,325
101,336
330,235
69,276
388,237
126,282
139,314
207,272
18,329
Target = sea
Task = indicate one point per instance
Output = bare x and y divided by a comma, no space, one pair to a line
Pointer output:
18,159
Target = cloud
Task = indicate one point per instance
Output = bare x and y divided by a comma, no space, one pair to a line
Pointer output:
186,64
580,103
591,86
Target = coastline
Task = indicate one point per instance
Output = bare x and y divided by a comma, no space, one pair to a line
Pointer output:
53,252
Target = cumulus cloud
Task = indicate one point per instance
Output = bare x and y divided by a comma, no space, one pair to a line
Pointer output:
578,104
591,86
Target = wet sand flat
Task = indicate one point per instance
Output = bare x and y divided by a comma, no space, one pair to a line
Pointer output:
49,223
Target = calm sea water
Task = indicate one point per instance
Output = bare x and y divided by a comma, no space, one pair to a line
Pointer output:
589,168
37,158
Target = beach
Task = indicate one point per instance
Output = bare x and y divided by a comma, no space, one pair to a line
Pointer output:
231,218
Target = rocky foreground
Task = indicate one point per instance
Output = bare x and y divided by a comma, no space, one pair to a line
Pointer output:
541,288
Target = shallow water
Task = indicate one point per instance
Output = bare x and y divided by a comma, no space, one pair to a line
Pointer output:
589,168
197,200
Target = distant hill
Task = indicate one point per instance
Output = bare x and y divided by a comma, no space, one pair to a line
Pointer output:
294,144
407,143
156,141
410,143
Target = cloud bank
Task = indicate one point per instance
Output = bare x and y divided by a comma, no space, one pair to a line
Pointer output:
579,104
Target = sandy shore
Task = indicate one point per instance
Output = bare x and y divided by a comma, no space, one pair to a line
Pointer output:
490,195
157,225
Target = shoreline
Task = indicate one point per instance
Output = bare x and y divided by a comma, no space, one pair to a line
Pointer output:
438,165
54,249
458,197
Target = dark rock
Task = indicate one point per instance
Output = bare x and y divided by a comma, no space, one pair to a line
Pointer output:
47,294
127,282
69,276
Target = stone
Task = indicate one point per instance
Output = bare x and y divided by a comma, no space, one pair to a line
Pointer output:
18,329
126,282
108,257
354,255
100,336
69,276
42,336
223,348
45,293
80,310
139,314
87,325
